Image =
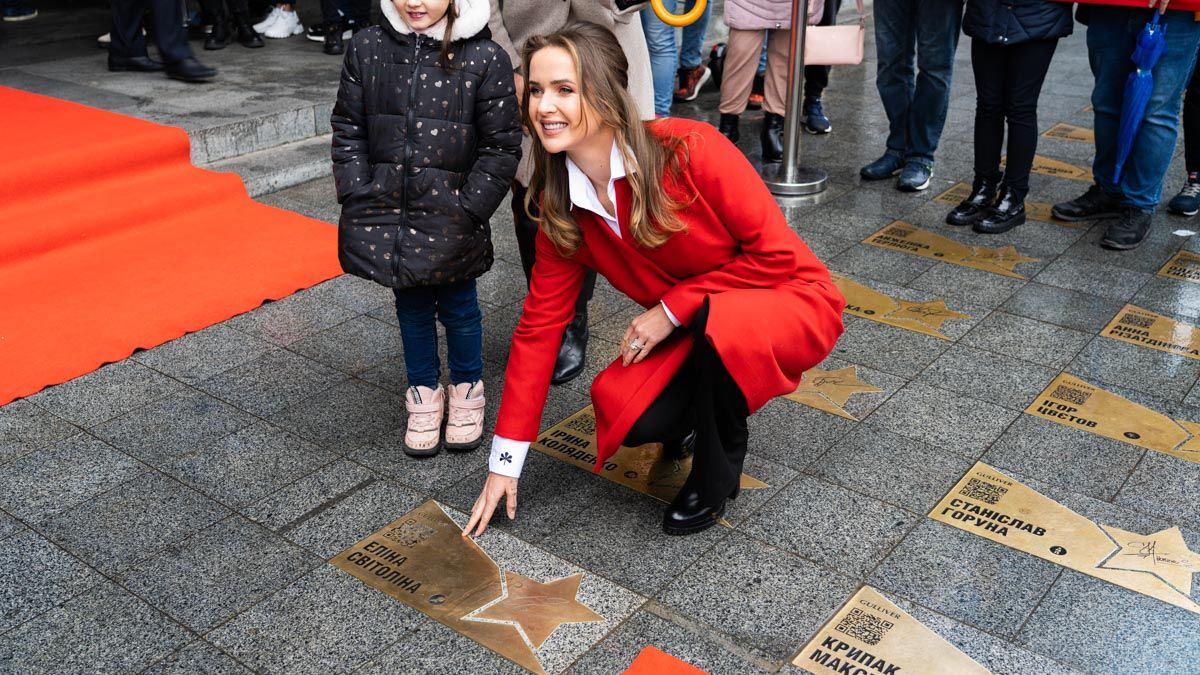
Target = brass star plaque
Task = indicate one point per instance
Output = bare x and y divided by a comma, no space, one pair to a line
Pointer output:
1072,402
870,634
907,238
1070,132
1184,266
994,506
1039,211
1147,329
830,390
920,317
643,469
423,561
1059,169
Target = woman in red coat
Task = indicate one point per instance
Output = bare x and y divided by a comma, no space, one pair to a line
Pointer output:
672,214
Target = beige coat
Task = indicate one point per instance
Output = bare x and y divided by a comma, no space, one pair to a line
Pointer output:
522,19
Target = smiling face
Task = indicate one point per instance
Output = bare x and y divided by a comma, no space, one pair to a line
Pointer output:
558,112
421,14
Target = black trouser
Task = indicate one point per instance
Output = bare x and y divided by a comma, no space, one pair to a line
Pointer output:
217,8
1191,124
359,11
702,396
526,233
1008,82
816,78
166,17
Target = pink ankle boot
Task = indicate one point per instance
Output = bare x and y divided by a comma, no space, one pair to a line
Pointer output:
425,410
464,430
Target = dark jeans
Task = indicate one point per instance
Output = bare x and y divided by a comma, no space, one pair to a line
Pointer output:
214,8
457,307
1008,81
816,78
702,396
1191,123
1111,36
526,228
924,32
166,24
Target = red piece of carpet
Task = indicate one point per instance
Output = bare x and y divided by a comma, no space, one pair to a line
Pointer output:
111,240
654,661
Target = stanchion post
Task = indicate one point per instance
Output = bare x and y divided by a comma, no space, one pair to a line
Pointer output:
788,178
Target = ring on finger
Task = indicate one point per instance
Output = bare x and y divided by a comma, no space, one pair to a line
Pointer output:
635,344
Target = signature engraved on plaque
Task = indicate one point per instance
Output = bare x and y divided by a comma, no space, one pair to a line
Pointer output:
1184,266
920,317
870,634
1144,328
1033,210
907,238
1070,132
830,390
992,505
423,561
1058,169
1072,402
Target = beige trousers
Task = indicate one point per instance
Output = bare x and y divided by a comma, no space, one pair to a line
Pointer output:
742,52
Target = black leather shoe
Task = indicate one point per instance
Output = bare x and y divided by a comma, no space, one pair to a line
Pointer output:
690,513
246,35
1008,213
219,37
728,126
681,449
772,138
572,351
1128,231
135,64
190,70
334,44
1091,205
974,207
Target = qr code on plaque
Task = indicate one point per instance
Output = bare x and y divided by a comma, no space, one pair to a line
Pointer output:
584,424
863,626
1137,320
1070,394
983,491
410,533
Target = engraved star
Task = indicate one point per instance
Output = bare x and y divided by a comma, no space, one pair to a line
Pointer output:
832,388
1164,554
540,608
931,314
1006,258
1192,444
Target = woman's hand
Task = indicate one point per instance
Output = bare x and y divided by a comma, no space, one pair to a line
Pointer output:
644,333
497,486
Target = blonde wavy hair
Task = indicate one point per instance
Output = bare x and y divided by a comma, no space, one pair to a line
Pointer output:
601,70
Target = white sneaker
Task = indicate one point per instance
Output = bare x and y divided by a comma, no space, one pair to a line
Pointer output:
266,23
287,25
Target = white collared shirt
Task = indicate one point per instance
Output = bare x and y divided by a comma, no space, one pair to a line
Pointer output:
508,455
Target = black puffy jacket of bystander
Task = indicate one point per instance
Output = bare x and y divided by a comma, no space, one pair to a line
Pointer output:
1010,22
424,150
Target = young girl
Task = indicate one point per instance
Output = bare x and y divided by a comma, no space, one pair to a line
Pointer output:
426,139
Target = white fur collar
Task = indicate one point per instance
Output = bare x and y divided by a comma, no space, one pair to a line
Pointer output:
472,17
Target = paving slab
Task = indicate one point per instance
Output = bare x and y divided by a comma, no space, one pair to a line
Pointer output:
198,356
198,657
1038,342
1105,280
944,419
1076,310
892,350
37,576
987,376
1135,367
24,427
353,346
347,415
1164,486
105,393
272,382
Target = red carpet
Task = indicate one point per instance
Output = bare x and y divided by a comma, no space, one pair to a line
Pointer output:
111,240
653,661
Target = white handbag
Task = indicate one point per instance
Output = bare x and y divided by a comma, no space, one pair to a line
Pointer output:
836,45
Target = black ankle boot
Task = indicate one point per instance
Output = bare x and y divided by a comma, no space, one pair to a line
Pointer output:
246,35
572,351
1008,213
691,512
334,43
728,127
681,449
219,37
772,138
975,206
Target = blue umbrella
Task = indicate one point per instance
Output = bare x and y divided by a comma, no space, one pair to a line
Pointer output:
1151,45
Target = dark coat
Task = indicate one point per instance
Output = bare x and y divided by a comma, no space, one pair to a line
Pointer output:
422,155
1010,22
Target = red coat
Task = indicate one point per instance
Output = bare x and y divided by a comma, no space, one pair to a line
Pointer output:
773,310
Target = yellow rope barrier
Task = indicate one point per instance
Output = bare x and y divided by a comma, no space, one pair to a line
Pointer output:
678,20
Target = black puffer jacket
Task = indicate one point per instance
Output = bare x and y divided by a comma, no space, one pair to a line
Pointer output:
1009,22
422,155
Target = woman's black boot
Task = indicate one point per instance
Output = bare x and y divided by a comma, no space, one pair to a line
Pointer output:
772,138
690,512
728,126
219,37
246,35
1008,213
975,206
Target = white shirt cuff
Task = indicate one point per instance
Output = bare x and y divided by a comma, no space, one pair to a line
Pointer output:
669,314
508,456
